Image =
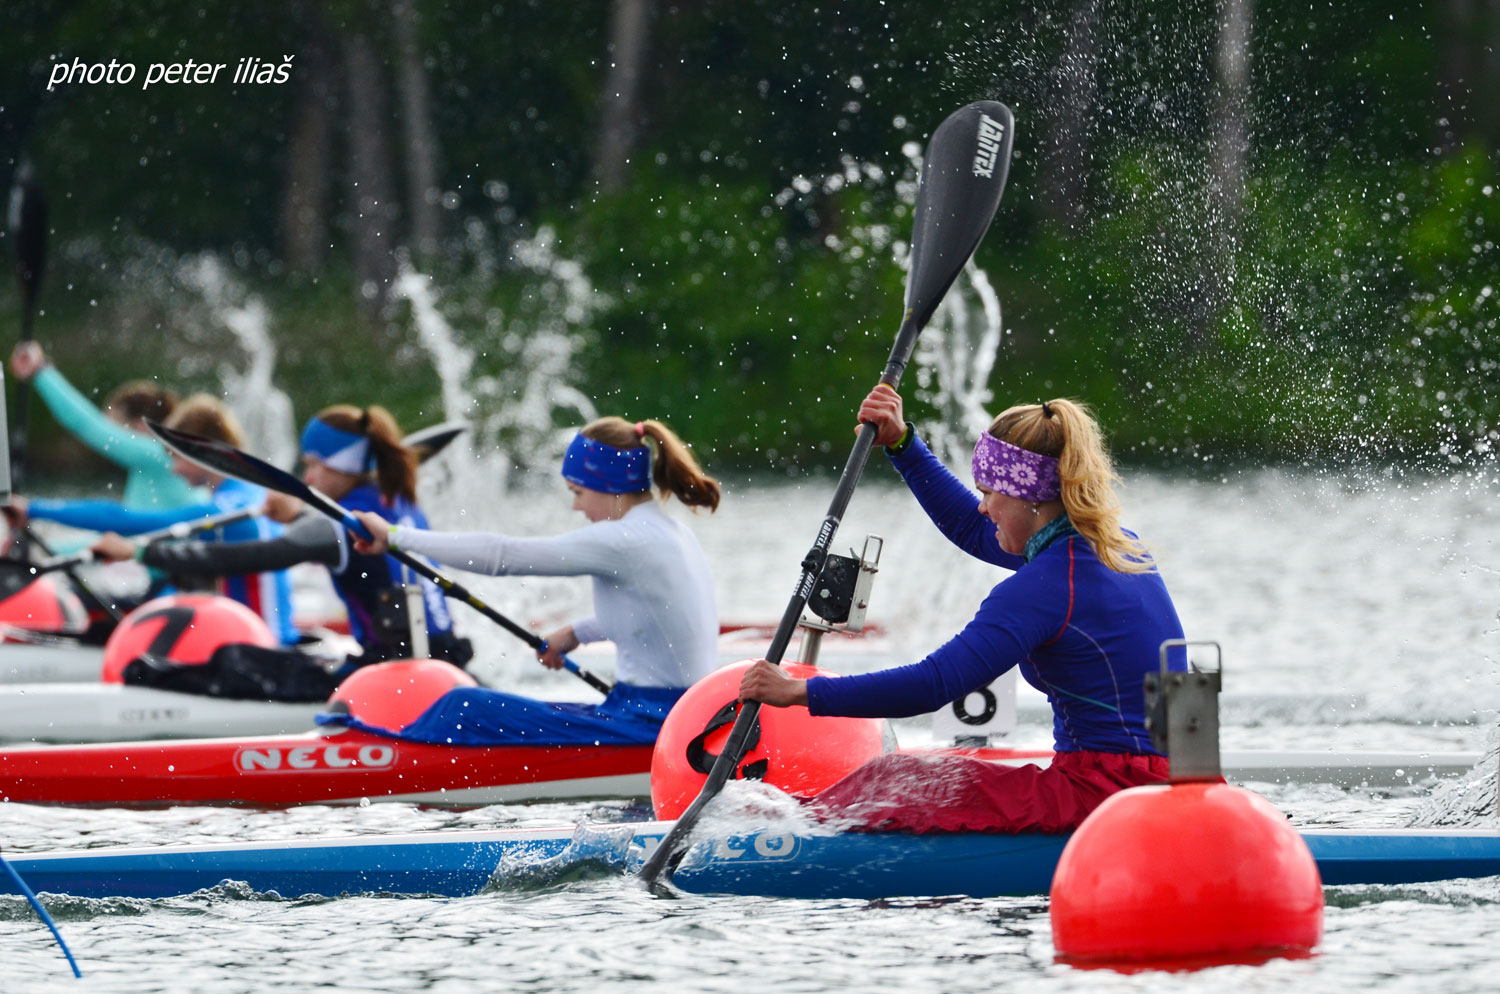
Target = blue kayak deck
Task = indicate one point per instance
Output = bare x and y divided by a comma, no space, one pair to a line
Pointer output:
460,863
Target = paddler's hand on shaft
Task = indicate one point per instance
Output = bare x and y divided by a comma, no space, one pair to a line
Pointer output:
112,548
769,684
379,527
882,408
559,644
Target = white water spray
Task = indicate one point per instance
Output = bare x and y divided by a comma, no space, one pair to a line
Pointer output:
264,411
509,377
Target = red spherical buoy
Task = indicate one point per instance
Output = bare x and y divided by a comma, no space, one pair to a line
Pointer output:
795,751
185,628
1201,871
46,604
393,695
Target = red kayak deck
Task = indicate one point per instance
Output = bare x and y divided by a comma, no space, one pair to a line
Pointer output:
344,767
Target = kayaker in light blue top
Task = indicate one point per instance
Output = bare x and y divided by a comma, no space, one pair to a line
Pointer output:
118,432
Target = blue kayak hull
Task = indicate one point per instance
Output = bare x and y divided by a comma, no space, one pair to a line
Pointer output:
840,866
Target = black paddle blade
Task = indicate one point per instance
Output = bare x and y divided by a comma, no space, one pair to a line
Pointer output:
428,442
963,176
28,230
226,460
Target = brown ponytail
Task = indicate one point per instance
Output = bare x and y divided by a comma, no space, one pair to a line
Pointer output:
673,468
1067,432
395,464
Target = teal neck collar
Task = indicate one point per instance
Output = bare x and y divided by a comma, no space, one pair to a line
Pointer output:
1058,527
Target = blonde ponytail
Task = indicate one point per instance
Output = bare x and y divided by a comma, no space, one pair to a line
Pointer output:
1066,431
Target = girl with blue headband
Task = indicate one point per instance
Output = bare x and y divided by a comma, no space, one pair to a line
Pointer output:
356,457
653,591
1083,615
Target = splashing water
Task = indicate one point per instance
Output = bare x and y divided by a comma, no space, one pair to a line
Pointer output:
1471,801
522,402
955,358
509,376
264,411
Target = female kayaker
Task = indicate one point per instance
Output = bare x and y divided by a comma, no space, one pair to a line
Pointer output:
354,456
653,592
118,432
1083,616
268,592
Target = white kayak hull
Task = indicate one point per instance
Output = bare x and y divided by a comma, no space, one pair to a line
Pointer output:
22,662
98,712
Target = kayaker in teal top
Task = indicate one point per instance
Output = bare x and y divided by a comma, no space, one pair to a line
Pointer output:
118,432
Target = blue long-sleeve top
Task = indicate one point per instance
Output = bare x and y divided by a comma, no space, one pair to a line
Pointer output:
149,480
1082,633
359,579
268,593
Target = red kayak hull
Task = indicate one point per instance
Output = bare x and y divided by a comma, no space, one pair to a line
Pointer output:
344,767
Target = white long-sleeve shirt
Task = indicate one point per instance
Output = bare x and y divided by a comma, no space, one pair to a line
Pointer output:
653,592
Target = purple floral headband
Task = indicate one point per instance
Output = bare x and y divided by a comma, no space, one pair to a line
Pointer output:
1014,471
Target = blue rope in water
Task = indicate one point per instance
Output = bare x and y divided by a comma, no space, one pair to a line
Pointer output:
41,911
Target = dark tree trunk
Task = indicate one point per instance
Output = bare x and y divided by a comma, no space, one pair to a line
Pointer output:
309,165
629,36
424,194
1069,144
1228,155
1487,120
372,201
1458,62
1468,74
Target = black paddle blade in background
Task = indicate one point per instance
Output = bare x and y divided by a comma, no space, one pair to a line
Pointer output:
428,442
27,219
963,175
226,460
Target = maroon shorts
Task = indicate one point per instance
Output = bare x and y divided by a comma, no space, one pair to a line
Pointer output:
898,792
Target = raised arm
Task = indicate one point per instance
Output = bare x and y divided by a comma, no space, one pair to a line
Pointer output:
93,427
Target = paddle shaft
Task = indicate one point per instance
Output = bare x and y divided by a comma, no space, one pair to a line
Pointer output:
457,591
812,567
84,589
69,563
963,176
28,229
226,460
181,529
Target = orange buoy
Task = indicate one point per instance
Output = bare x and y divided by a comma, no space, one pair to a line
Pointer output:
794,751
393,695
46,604
1189,871
185,628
